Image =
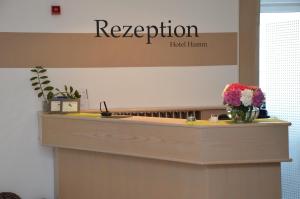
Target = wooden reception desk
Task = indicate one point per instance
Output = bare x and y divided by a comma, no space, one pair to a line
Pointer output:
160,158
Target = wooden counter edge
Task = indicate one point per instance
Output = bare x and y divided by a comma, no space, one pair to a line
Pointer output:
208,163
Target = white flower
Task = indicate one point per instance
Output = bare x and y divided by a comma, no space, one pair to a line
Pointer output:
246,97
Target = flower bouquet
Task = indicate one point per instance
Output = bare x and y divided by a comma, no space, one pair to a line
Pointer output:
243,102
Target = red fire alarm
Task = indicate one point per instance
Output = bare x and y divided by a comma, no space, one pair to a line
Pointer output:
55,10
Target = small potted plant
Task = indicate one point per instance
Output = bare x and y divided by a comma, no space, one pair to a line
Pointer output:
41,83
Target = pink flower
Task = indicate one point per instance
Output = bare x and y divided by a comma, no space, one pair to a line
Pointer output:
258,98
232,97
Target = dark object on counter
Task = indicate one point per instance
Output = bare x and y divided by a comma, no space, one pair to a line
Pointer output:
9,195
105,113
223,117
60,97
263,113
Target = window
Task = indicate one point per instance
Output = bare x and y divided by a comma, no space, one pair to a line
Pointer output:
280,79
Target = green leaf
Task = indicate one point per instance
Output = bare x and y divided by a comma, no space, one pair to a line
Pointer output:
37,88
39,67
71,89
46,82
34,83
33,78
50,95
66,88
77,95
44,77
48,88
42,70
40,94
34,70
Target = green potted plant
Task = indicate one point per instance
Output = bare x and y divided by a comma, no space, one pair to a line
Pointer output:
41,84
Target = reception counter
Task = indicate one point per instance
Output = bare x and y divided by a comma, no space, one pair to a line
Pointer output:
161,158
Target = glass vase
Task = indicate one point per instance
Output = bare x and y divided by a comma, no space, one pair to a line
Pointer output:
242,114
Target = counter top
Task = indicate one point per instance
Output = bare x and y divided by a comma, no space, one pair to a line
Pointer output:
167,121
162,109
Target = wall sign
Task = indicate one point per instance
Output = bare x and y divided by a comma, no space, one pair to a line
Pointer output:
149,32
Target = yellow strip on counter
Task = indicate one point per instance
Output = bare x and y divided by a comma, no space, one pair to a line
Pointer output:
89,115
229,122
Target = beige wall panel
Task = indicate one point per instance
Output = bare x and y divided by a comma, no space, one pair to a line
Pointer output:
63,50
249,41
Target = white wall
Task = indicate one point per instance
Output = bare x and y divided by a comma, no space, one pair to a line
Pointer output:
78,15
155,87
25,166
